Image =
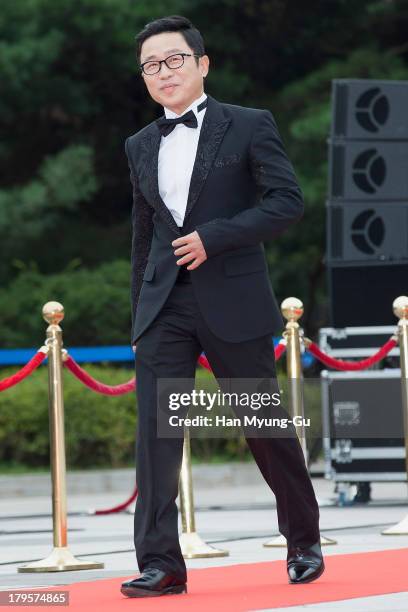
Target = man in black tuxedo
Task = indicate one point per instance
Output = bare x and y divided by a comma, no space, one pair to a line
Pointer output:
211,182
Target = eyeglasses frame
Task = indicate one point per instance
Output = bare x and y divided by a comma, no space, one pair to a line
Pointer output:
165,61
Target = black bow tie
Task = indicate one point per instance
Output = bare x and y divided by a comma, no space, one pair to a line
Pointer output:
189,119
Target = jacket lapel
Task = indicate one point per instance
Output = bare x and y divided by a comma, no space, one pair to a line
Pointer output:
150,146
212,132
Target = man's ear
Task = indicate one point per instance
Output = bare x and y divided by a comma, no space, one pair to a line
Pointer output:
204,65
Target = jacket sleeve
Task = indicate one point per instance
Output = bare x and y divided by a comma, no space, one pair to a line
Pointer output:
142,232
280,202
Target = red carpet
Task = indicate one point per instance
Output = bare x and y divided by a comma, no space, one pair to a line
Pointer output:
256,586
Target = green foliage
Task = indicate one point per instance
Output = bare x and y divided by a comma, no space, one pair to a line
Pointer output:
99,430
64,181
67,71
96,302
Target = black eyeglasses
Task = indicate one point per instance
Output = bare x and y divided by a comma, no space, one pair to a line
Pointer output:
172,61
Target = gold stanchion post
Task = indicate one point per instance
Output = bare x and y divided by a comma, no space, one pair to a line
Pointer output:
292,310
60,559
192,546
400,308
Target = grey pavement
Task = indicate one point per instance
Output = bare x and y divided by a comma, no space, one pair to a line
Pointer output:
235,511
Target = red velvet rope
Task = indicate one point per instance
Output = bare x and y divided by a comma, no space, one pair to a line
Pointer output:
95,385
120,507
99,387
340,364
202,360
24,372
280,348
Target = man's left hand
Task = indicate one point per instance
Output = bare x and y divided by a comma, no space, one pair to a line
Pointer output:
192,248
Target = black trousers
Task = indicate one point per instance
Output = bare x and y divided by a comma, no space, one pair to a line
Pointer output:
169,348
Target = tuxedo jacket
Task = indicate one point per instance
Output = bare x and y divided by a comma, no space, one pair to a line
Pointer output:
243,192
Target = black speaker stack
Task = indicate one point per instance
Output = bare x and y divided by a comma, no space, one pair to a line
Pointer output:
367,207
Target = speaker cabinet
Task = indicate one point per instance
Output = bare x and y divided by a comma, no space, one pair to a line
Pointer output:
371,233
368,170
369,109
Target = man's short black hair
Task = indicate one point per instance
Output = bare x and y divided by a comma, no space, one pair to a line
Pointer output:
173,23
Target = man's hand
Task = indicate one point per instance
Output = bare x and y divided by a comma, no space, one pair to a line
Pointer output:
134,348
192,248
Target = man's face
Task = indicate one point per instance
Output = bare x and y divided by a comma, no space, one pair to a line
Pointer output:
174,88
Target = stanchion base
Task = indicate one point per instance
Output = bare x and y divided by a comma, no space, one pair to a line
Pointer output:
60,560
400,528
323,502
193,547
327,541
280,541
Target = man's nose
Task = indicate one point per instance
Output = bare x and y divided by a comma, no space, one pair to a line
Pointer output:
165,71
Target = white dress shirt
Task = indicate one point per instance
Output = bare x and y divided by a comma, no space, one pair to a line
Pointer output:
177,154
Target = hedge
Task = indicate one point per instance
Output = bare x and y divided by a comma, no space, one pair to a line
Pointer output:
100,431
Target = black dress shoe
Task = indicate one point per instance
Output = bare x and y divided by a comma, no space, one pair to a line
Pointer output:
151,583
305,564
